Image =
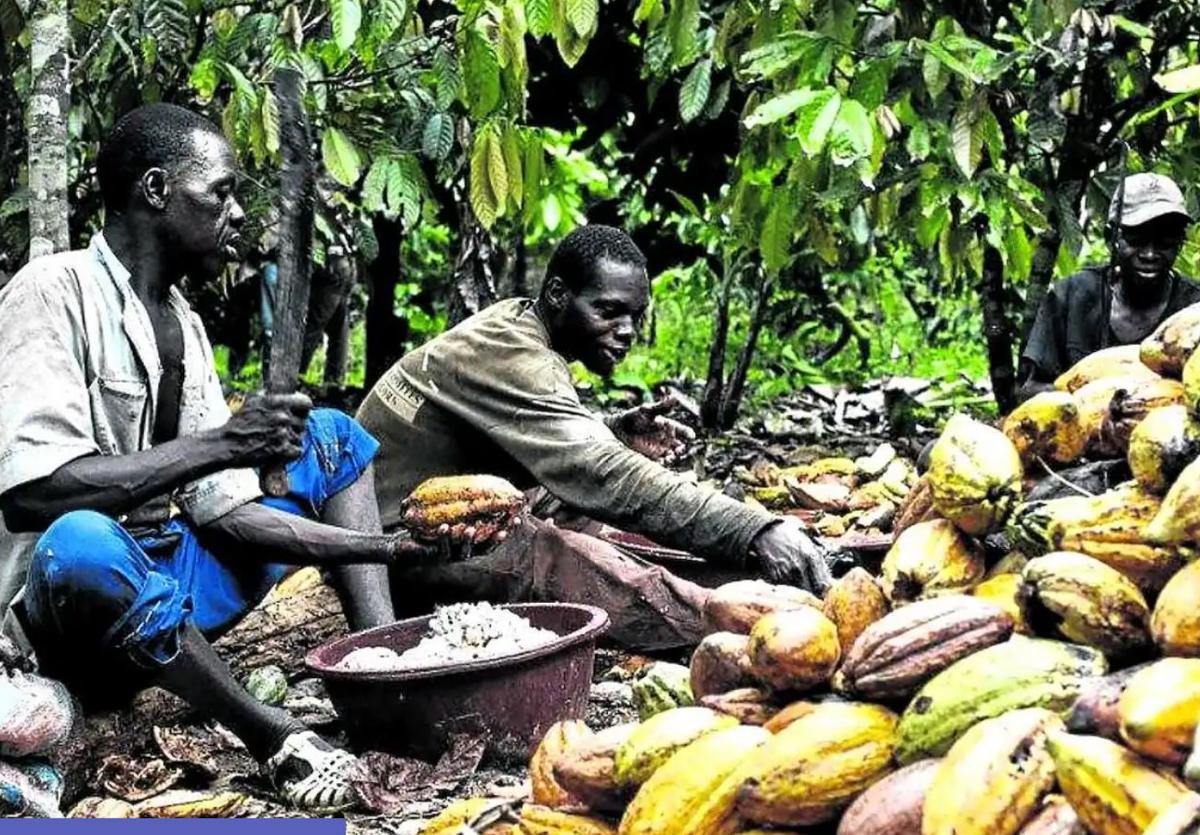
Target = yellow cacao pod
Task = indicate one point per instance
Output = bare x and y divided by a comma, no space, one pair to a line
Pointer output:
1047,426
1177,522
794,650
1004,591
737,606
975,473
484,502
1093,401
1165,442
1121,361
1175,623
182,803
102,807
546,791
811,770
1160,707
930,559
542,820
695,790
720,663
586,769
654,741
1182,818
1129,407
1114,791
1191,384
1083,600
1167,349
1005,763
853,603
484,815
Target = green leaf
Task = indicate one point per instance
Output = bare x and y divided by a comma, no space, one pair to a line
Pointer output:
991,135
1179,81
683,24
15,204
571,45
204,78
919,142
717,100
1132,27
437,140
854,134
583,16
512,164
497,170
449,81
341,158
693,94
483,201
481,72
823,241
270,120
403,193
387,18
780,107
540,16
534,168
871,83
816,119
375,185
775,242
170,23
966,140
346,16
648,10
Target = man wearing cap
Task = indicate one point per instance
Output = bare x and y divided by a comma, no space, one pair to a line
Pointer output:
1121,303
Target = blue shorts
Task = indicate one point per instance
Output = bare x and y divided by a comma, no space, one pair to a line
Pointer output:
95,591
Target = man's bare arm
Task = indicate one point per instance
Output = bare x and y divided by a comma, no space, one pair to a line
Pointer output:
266,429
265,534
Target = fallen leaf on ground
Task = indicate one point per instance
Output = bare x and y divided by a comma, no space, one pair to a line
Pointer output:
136,779
387,784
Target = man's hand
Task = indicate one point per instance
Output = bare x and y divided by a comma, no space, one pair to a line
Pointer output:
268,429
788,555
648,430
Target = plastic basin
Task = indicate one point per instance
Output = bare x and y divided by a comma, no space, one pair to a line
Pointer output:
513,699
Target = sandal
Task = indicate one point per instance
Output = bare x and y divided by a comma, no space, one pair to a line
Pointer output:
313,775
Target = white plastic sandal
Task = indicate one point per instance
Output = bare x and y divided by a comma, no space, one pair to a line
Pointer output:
312,775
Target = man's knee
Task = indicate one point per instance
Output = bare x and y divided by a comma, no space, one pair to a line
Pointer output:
337,452
82,552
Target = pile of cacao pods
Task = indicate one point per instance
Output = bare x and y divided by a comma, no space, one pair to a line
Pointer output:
835,496
1052,689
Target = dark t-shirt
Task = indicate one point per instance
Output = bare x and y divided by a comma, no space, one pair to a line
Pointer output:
1068,325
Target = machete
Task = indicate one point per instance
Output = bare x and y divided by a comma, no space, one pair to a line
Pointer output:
295,250
1111,231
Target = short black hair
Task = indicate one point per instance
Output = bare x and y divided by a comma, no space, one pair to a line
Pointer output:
575,257
150,136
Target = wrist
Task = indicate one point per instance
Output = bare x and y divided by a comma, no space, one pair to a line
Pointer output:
219,447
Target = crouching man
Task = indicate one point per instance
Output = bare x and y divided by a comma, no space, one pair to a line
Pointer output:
136,531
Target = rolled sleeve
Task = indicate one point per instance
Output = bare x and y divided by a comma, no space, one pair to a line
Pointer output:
45,409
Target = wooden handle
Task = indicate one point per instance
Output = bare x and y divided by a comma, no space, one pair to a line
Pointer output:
274,481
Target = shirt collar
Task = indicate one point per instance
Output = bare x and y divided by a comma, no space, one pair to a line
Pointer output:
121,276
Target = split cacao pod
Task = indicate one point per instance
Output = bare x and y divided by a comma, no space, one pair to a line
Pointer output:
487,503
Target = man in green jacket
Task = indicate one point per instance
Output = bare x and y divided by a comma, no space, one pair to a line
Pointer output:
495,394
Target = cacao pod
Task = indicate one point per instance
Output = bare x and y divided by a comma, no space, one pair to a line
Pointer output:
1093,401
1113,790
1129,407
1095,712
1004,591
892,806
853,603
1083,600
1022,672
788,715
812,769
1112,527
1176,619
1159,709
1167,349
542,820
1178,519
1005,762
102,807
681,797
483,815
929,559
655,740
182,803
737,606
268,684
1047,426
748,705
585,769
561,737
485,502
794,650
1191,384
1120,361
899,653
975,473
1056,817
1165,442
720,663
916,507
660,687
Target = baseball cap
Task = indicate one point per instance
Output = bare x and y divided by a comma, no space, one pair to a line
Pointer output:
1148,196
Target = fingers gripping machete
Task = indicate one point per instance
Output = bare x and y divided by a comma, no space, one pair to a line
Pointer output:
295,250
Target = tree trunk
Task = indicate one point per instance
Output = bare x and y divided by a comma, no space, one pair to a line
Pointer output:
714,386
473,285
49,104
337,351
737,382
385,332
997,331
